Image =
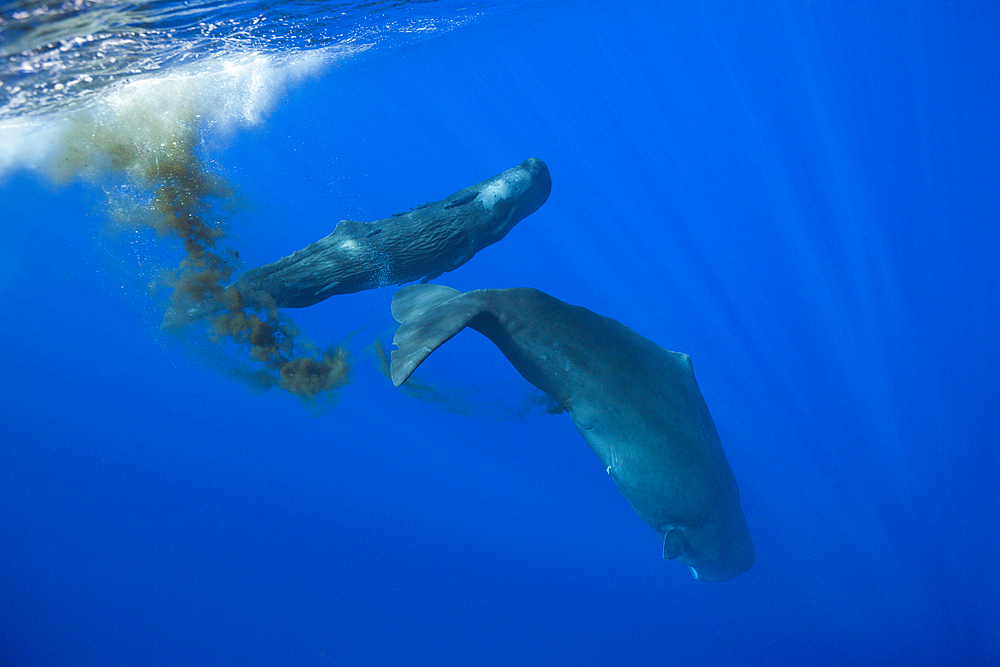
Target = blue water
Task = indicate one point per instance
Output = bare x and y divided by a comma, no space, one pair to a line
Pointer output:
801,196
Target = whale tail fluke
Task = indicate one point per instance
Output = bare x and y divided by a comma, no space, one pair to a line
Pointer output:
429,315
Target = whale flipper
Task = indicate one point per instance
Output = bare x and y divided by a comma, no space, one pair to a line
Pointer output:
673,544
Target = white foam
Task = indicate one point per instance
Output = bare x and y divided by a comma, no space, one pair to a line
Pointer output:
153,118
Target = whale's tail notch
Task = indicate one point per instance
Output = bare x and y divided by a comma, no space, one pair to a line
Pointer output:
429,315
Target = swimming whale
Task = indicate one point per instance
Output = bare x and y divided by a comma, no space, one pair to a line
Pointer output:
419,244
636,404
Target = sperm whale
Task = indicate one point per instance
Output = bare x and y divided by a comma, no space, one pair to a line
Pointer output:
636,404
419,244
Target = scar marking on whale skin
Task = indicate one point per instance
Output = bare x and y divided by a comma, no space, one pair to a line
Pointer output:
493,193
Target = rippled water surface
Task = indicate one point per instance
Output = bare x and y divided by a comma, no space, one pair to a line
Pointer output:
54,54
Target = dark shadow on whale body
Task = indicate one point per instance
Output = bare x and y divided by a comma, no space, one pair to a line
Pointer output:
636,404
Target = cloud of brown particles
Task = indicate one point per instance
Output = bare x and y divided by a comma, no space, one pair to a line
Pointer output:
155,151
183,194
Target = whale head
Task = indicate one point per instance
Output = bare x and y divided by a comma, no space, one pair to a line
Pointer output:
513,195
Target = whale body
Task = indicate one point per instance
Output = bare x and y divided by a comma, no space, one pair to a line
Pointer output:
419,244
635,403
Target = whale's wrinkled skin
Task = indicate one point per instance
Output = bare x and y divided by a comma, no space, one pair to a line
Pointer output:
636,404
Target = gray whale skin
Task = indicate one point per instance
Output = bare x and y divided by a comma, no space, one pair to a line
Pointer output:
419,244
636,404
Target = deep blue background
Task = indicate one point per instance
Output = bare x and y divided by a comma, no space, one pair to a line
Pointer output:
802,196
